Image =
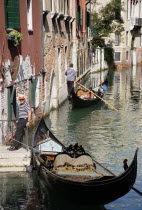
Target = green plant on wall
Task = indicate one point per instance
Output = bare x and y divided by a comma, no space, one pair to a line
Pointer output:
15,36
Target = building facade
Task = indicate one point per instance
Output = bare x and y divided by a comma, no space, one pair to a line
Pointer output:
66,40
53,34
128,44
20,61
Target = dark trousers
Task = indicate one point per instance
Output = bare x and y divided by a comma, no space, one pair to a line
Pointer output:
20,131
70,86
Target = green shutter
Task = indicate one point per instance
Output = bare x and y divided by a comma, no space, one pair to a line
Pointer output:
11,103
81,16
33,83
78,15
88,19
12,14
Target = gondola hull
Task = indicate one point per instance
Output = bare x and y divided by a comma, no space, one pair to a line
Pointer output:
96,191
77,102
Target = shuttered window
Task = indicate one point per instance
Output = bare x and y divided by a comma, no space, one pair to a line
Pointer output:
33,84
117,56
11,103
79,13
12,14
88,19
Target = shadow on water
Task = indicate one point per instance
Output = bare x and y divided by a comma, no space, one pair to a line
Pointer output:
53,201
29,192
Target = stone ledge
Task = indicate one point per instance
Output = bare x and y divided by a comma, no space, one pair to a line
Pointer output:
14,162
18,160
20,153
12,169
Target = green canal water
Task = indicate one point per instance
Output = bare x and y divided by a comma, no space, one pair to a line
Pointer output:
109,136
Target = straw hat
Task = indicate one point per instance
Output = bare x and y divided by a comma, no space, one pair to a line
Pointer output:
21,97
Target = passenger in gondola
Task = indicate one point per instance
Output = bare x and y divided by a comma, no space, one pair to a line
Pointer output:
99,93
105,85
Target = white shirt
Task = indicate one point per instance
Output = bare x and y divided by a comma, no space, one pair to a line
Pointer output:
71,73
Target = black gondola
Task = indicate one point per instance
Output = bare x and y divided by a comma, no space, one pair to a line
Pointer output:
78,101
78,188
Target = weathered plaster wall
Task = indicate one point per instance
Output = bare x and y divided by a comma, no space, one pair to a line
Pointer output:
57,56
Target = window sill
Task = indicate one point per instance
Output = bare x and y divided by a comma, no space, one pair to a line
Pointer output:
30,30
9,29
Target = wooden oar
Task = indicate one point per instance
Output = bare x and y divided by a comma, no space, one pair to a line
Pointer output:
140,193
104,168
97,96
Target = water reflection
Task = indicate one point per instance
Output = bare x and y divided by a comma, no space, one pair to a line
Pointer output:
110,136
17,191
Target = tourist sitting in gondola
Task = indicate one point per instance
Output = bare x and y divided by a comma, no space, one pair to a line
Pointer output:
85,94
105,85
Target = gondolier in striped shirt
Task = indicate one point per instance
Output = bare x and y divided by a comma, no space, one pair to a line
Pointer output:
24,118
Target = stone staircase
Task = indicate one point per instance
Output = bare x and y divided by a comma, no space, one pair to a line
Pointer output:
18,160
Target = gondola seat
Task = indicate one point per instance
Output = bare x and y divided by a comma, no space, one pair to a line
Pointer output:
82,166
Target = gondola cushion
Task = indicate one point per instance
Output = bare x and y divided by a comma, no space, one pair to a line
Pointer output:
64,162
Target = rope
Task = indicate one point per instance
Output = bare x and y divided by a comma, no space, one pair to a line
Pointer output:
26,145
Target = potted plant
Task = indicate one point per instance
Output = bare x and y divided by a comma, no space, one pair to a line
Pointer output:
15,36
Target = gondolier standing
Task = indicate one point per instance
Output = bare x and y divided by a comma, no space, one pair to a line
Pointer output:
23,120
71,76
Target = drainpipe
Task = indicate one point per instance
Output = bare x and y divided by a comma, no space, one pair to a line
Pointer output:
1,80
42,36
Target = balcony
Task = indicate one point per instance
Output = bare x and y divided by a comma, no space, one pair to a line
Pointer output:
136,22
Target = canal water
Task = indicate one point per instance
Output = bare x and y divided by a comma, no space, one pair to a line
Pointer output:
108,135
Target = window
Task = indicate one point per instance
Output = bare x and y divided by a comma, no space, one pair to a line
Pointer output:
126,38
88,19
117,39
97,56
93,57
60,6
131,7
140,9
29,15
140,39
66,7
128,9
59,67
127,54
52,5
12,14
65,58
78,15
56,6
11,103
33,95
117,56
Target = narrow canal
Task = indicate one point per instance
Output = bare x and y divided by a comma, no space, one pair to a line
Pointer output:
109,136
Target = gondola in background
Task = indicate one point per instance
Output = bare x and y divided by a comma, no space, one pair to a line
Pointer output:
84,97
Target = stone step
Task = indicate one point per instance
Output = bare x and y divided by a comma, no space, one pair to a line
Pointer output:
17,160
13,169
14,162
20,153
